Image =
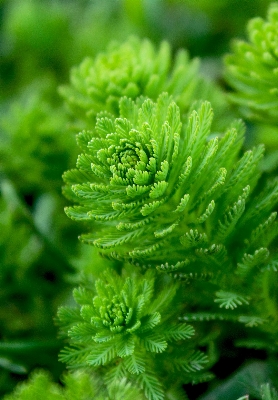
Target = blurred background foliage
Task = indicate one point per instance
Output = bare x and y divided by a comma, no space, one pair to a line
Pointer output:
47,37
40,40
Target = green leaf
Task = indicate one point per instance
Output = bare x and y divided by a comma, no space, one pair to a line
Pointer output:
101,354
184,173
161,175
153,389
230,300
227,227
78,213
251,321
149,322
82,297
178,332
259,233
76,356
125,346
207,213
112,240
154,343
193,238
207,316
268,393
103,336
161,233
68,316
123,127
183,203
158,189
191,363
250,261
137,190
149,208
135,363
147,286
128,109
82,332
206,159
116,373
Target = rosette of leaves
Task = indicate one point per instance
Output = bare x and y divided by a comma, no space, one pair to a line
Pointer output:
135,68
160,191
152,183
252,69
129,324
76,386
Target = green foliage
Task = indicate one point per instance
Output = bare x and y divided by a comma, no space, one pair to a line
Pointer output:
166,188
32,283
26,260
31,128
256,87
155,181
254,380
133,69
76,386
61,42
34,235
124,325
34,260
157,191
268,393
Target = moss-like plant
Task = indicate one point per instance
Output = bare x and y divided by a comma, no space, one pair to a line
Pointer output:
152,182
179,211
77,386
133,69
251,69
130,325
156,190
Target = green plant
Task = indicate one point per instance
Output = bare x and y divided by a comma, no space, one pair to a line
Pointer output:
77,386
135,68
180,280
256,88
152,180
128,324
147,174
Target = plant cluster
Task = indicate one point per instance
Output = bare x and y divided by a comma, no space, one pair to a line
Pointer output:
177,216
